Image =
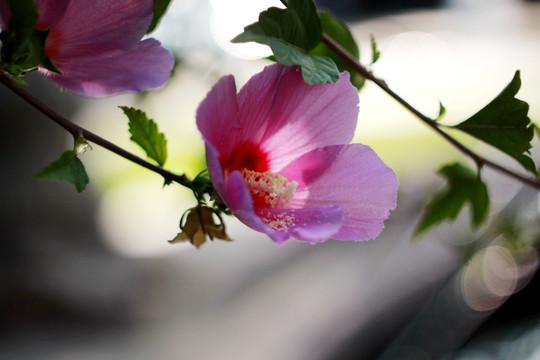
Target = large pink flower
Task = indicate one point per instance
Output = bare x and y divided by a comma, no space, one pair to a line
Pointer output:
97,45
279,156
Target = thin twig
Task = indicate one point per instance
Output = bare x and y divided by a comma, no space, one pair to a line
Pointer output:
77,131
479,160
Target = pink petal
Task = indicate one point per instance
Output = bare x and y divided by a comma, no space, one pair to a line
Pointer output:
92,27
217,115
289,117
147,66
216,172
352,177
280,112
310,224
50,12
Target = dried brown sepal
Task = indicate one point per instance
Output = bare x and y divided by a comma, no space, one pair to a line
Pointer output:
200,223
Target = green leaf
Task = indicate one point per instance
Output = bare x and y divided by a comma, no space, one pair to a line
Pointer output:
464,186
159,10
338,31
315,69
297,25
68,168
504,124
376,54
291,33
144,132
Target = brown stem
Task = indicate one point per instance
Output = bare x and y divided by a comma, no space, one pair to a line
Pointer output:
77,131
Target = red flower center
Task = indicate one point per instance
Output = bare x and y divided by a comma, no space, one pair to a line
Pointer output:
268,189
53,44
245,156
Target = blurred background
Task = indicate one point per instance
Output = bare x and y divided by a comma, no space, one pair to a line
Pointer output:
92,276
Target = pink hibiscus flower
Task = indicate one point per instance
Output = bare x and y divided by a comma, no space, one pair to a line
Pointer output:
279,156
97,45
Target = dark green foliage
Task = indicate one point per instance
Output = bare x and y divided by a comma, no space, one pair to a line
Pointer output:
504,124
68,168
291,33
464,185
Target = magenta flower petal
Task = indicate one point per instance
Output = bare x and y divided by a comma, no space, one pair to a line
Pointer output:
289,117
303,117
91,27
312,225
97,45
147,66
279,158
50,12
352,177
217,114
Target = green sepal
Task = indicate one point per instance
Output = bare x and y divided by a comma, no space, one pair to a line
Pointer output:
24,16
21,57
49,64
504,124
201,185
145,133
464,186
22,45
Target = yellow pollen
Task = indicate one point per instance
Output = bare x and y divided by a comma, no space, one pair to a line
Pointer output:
273,189
279,222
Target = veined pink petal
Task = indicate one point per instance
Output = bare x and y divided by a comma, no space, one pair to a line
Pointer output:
50,12
280,112
312,225
147,66
289,117
352,177
92,27
217,114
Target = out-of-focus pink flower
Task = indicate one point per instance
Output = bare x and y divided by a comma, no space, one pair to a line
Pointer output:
279,156
97,45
